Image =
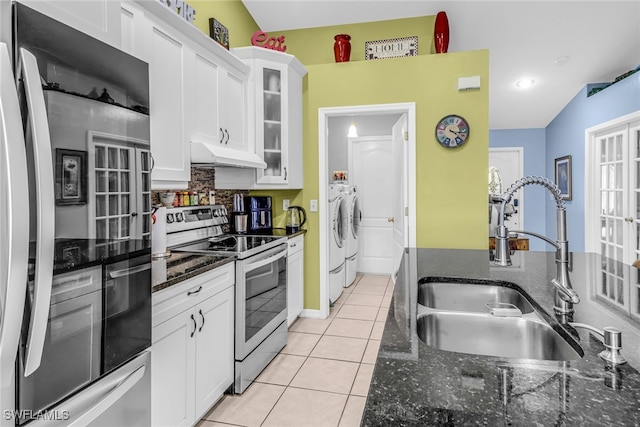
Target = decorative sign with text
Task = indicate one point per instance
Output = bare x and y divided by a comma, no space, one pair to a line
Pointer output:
262,39
182,8
392,48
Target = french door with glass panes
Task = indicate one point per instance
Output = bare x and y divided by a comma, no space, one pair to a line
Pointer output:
121,189
613,193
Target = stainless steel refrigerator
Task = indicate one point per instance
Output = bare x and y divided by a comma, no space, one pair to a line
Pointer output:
75,227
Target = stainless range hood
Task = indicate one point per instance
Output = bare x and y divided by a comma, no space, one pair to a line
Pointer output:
212,154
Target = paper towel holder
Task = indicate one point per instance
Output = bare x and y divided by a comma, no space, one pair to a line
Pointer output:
158,233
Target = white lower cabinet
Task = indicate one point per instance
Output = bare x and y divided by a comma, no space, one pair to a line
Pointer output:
295,278
192,351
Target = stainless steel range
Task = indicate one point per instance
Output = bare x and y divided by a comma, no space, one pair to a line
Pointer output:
261,283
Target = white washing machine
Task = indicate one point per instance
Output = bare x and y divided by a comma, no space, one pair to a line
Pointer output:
337,241
354,216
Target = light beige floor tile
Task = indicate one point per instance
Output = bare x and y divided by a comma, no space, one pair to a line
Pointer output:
334,309
375,279
364,299
340,348
353,411
363,288
310,325
249,408
363,380
300,343
308,408
282,369
371,353
334,376
206,423
376,333
352,328
382,314
386,301
359,312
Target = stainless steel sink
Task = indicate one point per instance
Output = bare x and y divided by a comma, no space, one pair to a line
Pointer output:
449,294
484,334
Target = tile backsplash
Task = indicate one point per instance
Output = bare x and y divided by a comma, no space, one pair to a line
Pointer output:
203,180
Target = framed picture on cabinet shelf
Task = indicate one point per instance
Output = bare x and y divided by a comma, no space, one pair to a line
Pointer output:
219,32
71,177
562,168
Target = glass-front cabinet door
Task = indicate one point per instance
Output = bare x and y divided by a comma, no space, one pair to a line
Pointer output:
271,139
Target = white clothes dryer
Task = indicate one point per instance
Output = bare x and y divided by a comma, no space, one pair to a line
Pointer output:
337,241
353,230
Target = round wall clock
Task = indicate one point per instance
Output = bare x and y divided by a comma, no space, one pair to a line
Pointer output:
452,131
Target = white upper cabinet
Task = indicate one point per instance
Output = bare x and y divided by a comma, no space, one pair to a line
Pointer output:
98,18
197,89
275,115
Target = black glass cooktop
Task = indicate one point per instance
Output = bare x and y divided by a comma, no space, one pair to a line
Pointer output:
233,245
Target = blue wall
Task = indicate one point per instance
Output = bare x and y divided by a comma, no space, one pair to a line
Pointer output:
565,135
533,143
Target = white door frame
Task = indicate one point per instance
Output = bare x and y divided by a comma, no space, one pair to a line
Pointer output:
323,115
591,177
506,185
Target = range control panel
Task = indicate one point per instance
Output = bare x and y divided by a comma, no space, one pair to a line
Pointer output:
192,217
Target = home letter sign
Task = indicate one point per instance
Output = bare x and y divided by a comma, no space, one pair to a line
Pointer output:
262,39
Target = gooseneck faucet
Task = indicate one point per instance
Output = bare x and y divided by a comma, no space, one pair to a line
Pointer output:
565,296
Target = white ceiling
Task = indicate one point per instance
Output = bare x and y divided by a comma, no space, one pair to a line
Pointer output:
562,45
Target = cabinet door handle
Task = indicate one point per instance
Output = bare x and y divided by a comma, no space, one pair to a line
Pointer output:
195,326
285,173
221,136
194,292
228,137
201,326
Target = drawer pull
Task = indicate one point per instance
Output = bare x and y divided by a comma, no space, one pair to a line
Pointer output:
194,292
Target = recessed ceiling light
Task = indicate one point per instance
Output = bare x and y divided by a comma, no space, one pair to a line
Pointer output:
525,83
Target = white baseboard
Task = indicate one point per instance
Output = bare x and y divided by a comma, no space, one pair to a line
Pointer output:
315,314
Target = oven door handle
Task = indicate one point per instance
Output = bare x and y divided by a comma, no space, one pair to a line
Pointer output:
129,271
260,263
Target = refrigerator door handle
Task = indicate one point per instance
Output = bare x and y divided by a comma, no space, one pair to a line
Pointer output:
45,233
115,394
13,283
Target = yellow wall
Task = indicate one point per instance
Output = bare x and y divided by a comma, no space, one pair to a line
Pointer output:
315,45
231,13
451,183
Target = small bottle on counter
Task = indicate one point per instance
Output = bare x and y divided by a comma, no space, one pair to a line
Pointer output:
179,197
193,198
185,198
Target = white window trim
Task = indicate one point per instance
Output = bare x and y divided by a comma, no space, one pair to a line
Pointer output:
591,201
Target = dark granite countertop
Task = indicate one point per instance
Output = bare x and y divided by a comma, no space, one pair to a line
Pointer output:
416,385
77,254
180,266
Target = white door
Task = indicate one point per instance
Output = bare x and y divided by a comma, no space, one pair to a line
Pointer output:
508,161
371,172
398,138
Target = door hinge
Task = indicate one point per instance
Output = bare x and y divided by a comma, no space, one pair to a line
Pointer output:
406,135
406,211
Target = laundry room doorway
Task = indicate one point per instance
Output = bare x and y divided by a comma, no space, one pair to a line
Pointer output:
333,156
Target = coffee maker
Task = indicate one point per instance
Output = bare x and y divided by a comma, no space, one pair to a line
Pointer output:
239,215
260,215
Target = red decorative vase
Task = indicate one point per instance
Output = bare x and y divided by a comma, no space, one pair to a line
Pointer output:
342,47
441,33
